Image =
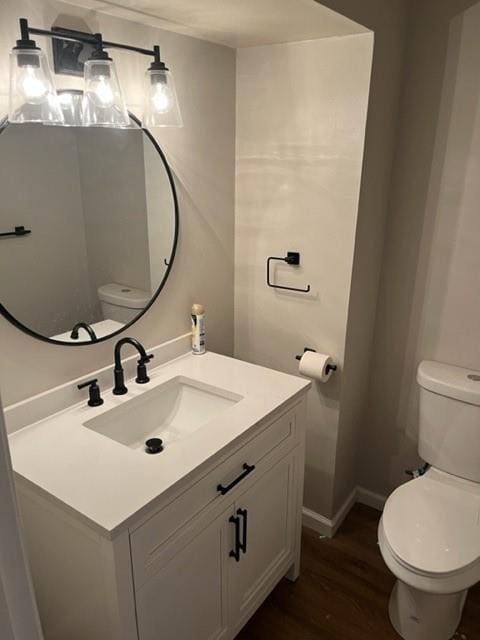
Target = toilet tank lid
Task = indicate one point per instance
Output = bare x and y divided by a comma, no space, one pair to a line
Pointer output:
124,296
450,381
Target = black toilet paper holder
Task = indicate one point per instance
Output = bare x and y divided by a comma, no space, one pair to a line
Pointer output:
328,368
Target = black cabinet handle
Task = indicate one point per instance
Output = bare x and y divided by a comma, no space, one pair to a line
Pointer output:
247,469
236,550
244,515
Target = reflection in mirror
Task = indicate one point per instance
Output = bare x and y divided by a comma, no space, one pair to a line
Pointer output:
101,210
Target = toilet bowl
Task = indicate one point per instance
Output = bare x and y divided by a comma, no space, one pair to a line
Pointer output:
429,533
429,536
122,303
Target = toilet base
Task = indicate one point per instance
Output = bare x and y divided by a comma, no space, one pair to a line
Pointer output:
417,615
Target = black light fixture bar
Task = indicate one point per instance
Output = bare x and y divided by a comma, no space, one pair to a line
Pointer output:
87,38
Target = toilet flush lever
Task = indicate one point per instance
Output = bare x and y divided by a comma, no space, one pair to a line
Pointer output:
416,473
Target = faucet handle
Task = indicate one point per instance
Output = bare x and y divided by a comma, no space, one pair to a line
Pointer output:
142,377
95,399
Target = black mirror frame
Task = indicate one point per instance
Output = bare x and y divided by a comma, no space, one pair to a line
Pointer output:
6,314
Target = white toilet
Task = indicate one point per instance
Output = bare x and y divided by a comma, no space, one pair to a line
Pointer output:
429,534
122,303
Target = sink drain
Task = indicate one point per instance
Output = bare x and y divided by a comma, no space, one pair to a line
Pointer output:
154,445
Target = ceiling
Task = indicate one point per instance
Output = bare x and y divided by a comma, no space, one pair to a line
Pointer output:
235,23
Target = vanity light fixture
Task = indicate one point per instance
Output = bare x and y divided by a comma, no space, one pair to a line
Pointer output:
33,97
161,104
103,103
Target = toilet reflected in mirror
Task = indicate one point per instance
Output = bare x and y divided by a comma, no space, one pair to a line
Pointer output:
119,304
122,303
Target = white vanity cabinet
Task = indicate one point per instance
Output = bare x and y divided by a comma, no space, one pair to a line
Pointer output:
193,566
216,577
187,594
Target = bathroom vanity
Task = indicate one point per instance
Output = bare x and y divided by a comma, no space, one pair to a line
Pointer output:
184,544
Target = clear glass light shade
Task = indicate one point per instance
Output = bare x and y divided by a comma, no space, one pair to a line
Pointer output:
71,104
161,104
103,103
32,95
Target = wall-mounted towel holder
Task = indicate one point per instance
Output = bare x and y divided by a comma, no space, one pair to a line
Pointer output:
292,258
18,231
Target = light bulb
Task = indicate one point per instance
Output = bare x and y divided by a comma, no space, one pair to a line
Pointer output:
103,104
161,98
101,92
34,89
32,96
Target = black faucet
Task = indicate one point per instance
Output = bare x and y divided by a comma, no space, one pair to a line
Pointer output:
88,329
142,378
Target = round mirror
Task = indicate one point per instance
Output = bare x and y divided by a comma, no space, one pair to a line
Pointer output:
88,228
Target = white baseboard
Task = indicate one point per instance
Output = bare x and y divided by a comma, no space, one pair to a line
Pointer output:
371,499
329,526
318,523
326,526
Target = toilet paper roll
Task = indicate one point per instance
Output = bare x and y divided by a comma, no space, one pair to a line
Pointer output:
314,365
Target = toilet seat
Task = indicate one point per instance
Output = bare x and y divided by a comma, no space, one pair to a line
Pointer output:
430,532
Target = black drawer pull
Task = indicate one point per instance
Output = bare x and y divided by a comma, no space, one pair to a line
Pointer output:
237,547
247,469
243,544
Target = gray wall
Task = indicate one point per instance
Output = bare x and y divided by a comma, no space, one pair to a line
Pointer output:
387,19
161,225
18,612
429,297
47,271
202,156
115,213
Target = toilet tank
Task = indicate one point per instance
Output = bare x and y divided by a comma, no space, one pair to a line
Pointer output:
449,418
122,303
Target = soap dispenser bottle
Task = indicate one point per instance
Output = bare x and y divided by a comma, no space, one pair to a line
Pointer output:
198,329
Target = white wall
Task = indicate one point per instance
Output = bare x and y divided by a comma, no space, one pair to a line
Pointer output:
202,156
429,304
301,113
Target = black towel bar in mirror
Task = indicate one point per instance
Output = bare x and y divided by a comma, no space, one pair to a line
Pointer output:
292,258
18,231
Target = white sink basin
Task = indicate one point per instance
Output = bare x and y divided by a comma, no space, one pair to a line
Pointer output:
170,411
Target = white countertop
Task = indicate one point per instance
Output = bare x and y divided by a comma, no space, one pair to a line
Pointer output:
107,483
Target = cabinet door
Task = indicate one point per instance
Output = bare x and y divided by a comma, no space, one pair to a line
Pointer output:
186,599
266,524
